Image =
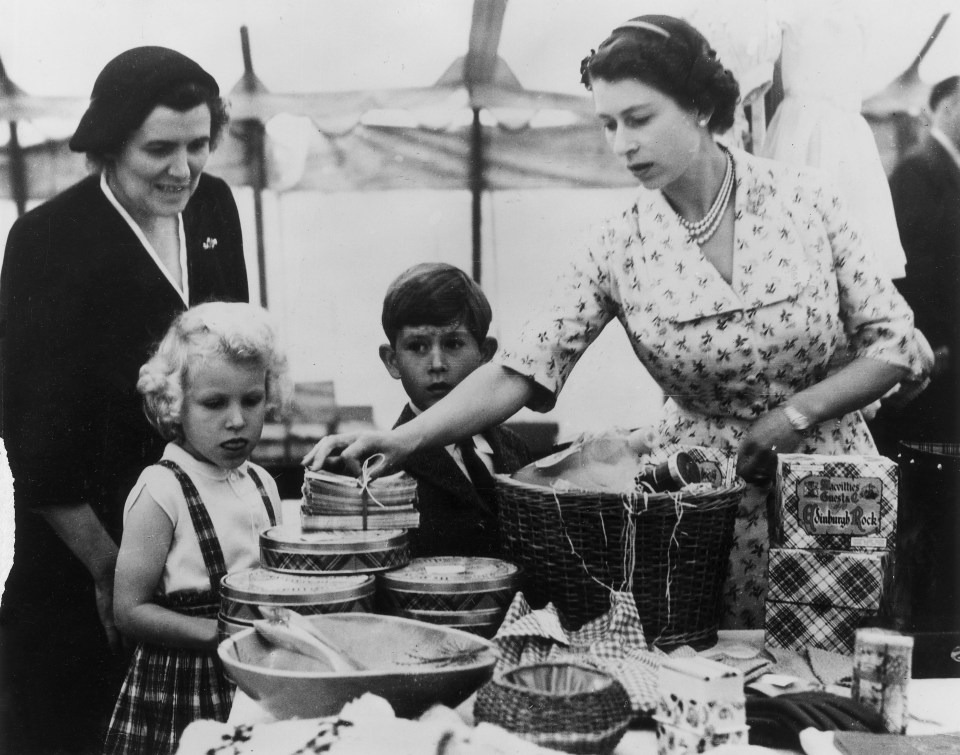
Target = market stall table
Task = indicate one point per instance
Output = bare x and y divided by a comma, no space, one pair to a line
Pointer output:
934,703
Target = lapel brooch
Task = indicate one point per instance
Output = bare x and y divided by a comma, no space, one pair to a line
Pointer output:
210,243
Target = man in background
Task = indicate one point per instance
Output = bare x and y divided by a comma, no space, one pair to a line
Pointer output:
925,187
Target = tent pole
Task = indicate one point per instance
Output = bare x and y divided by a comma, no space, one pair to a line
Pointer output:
18,171
476,189
258,132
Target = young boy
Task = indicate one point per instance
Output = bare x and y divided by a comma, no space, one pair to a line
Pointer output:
436,319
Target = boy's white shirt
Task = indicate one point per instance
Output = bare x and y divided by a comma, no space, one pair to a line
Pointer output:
183,292
484,451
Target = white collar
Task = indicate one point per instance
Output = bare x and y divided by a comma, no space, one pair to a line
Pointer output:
191,464
185,292
945,142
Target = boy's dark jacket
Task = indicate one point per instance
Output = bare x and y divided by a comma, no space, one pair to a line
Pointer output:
452,517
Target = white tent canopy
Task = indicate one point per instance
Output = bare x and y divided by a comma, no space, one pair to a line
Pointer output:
330,73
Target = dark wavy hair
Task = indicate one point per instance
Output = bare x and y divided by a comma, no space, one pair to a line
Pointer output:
671,56
435,293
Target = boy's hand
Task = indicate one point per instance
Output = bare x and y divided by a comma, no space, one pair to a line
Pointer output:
345,453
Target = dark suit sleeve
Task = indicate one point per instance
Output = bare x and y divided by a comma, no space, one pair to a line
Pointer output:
46,393
929,233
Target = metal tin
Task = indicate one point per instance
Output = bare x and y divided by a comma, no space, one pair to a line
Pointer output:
241,593
339,491
882,661
670,475
227,628
482,623
451,583
333,552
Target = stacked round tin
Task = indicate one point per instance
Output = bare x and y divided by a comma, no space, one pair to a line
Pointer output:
311,572
242,594
468,593
330,552
339,502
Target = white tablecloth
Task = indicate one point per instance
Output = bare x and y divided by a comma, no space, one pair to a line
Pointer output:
934,704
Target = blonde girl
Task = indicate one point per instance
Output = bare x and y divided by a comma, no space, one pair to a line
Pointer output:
193,517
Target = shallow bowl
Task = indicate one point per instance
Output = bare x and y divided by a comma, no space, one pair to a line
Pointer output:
412,664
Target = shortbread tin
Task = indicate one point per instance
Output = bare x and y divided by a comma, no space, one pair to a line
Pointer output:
333,552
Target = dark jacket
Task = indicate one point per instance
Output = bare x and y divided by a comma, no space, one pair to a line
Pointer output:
81,306
453,521
925,187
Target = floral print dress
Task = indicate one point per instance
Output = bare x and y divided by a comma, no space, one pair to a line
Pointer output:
803,289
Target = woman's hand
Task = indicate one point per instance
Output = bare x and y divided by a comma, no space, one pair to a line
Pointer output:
104,596
770,435
346,452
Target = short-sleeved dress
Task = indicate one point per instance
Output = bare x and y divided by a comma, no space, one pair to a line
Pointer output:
217,517
724,354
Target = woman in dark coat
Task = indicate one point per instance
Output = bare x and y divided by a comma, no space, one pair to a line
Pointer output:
91,279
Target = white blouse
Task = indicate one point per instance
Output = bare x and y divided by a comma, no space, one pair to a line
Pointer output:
233,503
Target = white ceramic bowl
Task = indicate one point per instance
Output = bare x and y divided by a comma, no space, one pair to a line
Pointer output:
412,664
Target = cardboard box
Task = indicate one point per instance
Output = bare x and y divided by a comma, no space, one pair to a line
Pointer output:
842,579
836,502
701,695
797,626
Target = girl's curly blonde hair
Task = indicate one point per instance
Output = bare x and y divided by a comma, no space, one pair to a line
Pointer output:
243,333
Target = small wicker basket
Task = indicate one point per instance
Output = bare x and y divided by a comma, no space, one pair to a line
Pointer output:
564,706
573,548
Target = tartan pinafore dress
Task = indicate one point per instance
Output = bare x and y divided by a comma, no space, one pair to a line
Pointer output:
167,688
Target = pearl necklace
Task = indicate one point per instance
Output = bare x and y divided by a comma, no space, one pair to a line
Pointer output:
702,231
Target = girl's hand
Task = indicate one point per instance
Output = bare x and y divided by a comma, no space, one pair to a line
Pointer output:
770,435
345,453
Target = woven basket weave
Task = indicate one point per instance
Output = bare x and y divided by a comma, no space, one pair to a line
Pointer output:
562,706
568,543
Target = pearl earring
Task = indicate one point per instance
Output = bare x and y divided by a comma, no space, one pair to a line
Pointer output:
703,121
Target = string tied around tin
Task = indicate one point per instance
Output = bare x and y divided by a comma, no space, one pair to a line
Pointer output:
366,494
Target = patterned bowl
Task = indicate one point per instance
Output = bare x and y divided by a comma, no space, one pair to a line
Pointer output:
412,664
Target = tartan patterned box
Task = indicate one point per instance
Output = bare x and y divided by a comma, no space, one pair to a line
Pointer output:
836,502
842,579
797,626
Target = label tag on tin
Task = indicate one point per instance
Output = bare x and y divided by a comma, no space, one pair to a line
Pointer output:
839,505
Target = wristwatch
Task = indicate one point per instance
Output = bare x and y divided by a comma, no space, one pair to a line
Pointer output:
798,419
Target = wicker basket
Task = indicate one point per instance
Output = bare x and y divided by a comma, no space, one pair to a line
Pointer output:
563,706
571,544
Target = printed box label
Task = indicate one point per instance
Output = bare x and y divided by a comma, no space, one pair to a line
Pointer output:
839,505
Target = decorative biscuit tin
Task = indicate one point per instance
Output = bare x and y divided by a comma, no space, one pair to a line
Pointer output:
452,583
342,494
836,502
227,628
701,696
677,740
484,622
242,593
469,593
335,552
882,663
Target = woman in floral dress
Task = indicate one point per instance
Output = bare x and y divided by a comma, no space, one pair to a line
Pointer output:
735,278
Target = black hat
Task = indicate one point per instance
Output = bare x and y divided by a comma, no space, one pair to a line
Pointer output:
127,89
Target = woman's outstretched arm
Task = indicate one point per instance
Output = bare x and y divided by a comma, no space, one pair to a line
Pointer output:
487,397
